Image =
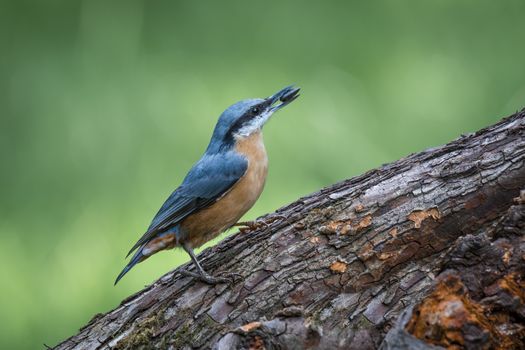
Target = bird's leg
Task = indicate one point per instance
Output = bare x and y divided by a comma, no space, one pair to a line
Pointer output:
247,226
203,275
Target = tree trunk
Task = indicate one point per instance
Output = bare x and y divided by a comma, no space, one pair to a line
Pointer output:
425,252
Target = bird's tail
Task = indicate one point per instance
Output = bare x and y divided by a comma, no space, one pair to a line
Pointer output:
137,257
165,240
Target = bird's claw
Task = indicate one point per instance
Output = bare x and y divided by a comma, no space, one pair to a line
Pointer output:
228,278
232,276
247,226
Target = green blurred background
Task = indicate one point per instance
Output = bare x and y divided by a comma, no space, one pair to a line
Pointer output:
105,105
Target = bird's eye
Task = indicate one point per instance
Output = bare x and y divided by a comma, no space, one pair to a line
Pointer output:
255,110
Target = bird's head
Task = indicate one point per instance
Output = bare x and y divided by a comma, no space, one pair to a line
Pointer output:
248,116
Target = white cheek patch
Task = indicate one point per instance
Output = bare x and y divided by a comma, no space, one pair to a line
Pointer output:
254,125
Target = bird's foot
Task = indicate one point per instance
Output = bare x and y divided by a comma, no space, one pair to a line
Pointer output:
247,226
209,279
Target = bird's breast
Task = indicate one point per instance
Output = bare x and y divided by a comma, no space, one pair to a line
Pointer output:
208,223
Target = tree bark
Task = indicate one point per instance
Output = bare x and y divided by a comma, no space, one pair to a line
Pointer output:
422,253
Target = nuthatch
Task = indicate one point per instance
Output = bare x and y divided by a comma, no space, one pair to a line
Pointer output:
222,186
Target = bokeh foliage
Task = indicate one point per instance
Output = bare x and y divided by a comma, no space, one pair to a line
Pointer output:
104,106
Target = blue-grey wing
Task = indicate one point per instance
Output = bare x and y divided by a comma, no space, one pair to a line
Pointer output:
209,179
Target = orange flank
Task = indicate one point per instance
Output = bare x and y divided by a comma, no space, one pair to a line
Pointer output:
166,241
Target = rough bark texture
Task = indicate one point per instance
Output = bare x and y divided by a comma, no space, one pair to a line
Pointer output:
423,253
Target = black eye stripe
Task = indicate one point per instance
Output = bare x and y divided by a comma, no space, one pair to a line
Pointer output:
247,116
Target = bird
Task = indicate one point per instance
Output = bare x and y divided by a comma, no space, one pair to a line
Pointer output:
219,188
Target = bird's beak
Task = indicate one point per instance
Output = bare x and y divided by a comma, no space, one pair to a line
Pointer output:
285,96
